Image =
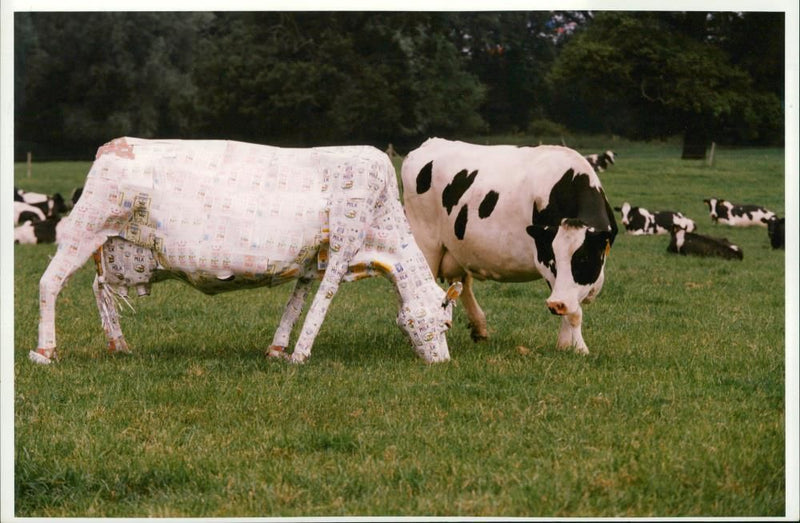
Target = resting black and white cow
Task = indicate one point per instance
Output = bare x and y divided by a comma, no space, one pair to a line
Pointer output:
688,243
51,206
511,214
723,211
32,232
223,215
776,231
600,162
638,220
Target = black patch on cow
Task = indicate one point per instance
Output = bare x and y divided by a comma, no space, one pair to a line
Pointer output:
424,178
45,231
18,195
456,188
776,228
637,220
587,261
665,219
488,204
460,227
543,237
28,216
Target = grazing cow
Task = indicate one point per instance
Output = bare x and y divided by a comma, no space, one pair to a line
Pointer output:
775,229
688,243
511,214
32,232
25,212
223,215
51,206
638,220
600,162
723,211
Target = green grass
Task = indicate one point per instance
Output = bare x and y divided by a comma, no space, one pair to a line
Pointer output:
677,411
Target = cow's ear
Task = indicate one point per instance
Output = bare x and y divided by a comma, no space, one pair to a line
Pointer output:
541,231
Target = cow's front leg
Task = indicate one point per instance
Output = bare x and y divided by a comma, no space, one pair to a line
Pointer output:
570,333
109,316
294,307
319,308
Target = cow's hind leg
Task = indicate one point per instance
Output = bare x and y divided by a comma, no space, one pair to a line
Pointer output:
68,258
570,333
109,316
292,311
477,318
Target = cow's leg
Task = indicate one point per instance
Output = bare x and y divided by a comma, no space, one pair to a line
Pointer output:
477,318
337,268
109,316
68,259
292,311
570,333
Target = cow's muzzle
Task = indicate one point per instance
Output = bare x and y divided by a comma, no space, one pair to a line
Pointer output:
558,308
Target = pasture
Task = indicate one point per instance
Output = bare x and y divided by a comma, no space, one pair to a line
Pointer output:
678,410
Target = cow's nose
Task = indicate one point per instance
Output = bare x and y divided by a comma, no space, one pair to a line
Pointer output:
557,307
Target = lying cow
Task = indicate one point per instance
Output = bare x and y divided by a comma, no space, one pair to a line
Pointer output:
638,220
51,206
776,231
688,243
224,215
600,162
33,232
511,214
723,211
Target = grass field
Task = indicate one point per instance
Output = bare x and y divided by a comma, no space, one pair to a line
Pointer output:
678,410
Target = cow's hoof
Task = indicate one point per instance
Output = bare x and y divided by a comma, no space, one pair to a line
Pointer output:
42,356
276,351
118,346
478,336
297,359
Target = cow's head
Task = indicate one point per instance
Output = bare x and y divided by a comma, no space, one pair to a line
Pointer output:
712,207
426,323
625,212
572,258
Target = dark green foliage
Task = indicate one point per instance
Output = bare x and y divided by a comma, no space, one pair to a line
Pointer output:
314,78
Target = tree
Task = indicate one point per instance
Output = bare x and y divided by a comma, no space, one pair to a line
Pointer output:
647,75
88,77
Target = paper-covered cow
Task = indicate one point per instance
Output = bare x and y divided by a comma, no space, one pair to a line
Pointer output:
224,215
639,221
736,214
511,214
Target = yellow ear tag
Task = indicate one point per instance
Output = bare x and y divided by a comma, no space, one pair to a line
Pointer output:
608,247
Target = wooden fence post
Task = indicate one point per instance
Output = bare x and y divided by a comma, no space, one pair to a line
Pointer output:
30,162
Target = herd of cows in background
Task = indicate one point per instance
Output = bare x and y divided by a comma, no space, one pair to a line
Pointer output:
465,205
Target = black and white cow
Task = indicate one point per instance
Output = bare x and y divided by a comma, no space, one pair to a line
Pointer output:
32,232
25,212
224,215
601,161
742,215
692,244
776,231
51,206
511,214
638,220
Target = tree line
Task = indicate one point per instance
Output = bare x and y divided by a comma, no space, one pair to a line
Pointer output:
316,78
